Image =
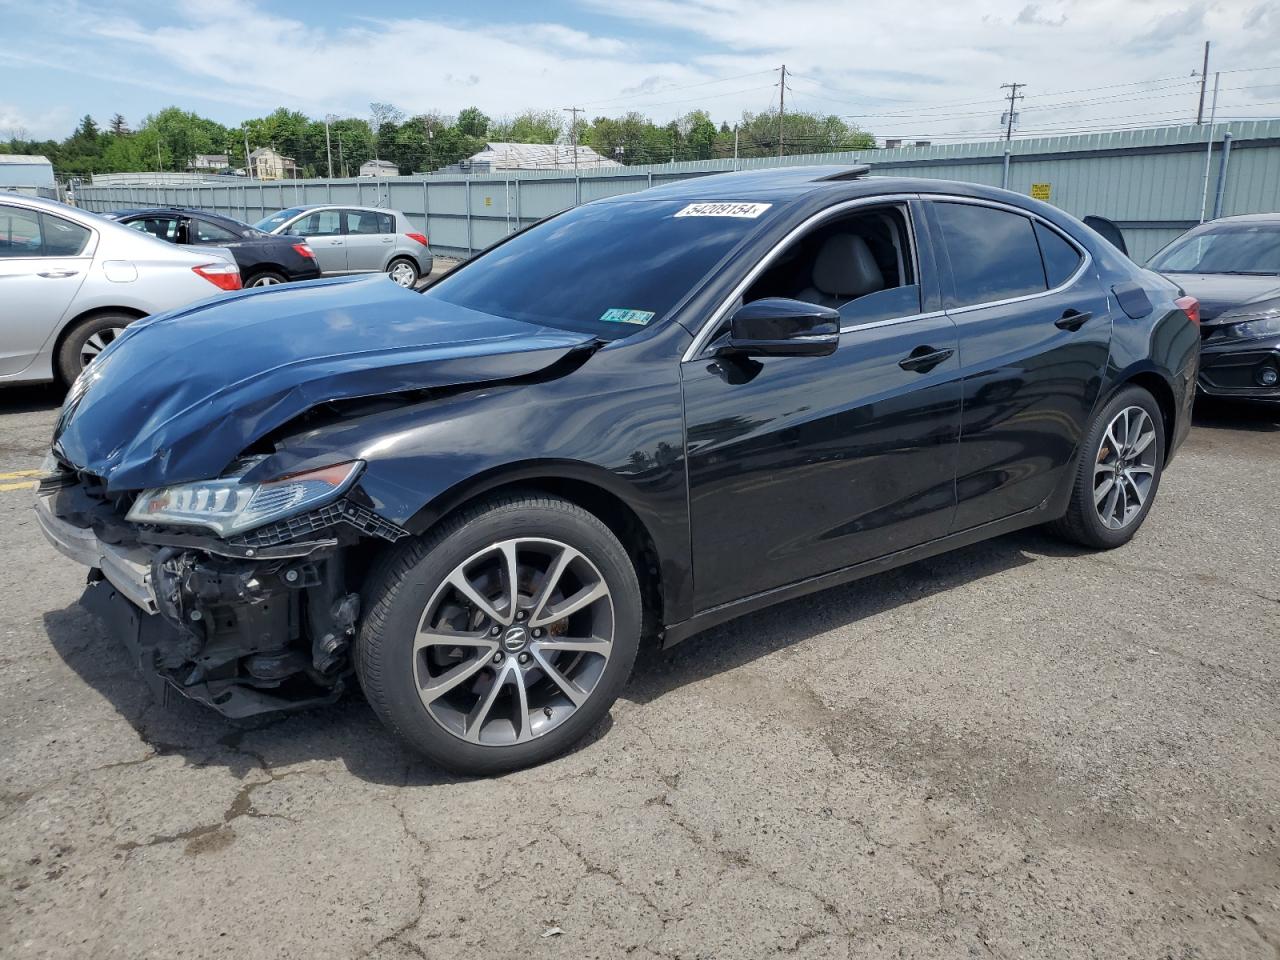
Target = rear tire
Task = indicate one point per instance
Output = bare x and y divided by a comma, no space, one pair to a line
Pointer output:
480,684
266,278
86,340
403,271
1118,474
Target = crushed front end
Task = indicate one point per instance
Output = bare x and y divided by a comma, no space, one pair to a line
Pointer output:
247,621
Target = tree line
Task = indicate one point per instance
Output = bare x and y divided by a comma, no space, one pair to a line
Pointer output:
170,139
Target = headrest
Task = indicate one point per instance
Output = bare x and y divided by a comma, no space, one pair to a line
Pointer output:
846,268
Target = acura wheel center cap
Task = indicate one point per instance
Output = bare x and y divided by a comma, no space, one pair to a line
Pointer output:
515,638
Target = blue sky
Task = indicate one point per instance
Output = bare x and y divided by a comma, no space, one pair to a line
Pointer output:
915,68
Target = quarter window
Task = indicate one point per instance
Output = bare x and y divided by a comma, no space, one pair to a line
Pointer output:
1061,259
993,253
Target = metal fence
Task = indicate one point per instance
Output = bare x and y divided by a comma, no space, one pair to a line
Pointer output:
1152,182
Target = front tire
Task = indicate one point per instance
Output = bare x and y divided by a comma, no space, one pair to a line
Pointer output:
1118,474
483,678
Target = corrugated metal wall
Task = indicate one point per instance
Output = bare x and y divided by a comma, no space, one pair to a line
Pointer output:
1150,181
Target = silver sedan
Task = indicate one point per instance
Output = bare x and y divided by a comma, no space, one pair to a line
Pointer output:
71,281
357,240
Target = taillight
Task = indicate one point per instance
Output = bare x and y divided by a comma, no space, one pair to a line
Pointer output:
224,276
417,236
1191,307
305,251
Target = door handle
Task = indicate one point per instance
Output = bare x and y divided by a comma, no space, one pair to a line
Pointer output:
923,359
388,239
335,243
1072,320
58,274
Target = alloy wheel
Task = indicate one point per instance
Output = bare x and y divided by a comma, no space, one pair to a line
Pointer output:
97,342
403,274
266,280
513,641
1124,469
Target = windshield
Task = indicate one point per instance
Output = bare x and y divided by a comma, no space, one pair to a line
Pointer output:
1243,248
608,269
267,224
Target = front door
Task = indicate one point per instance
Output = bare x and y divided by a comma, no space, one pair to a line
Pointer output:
1035,332
799,466
43,262
322,229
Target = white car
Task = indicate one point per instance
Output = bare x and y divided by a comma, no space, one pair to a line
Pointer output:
71,281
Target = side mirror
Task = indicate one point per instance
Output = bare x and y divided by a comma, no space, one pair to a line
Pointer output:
779,327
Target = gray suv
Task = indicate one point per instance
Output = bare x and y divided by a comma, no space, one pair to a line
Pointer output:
356,240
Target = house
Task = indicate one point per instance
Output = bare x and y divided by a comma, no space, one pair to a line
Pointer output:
379,168
209,161
28,174
496,157
266,164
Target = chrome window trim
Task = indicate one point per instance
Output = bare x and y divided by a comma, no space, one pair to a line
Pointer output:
1086,259
704,333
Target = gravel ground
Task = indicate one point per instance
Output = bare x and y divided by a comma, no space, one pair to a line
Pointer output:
1017,750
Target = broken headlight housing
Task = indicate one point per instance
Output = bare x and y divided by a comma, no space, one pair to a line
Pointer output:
227,505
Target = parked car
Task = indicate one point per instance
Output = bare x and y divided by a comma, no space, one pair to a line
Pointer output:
71,281
633,421
264,258
1232,266
357,240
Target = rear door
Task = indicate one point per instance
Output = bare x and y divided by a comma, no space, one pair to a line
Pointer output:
43,262
370,237
1035,332
322,229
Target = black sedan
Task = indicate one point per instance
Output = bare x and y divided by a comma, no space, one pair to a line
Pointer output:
1232,266
638,419
264,259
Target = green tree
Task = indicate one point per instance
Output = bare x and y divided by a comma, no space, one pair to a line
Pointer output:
472,123
532,126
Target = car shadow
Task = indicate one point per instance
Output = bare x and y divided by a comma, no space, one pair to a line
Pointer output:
31,398
734,644
350,733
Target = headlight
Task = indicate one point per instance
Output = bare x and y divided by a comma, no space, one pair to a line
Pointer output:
227,505
1264,326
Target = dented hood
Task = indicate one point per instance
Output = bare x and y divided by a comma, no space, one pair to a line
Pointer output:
179,396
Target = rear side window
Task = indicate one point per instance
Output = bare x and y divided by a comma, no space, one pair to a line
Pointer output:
367,221
19,232
1061,259
207,232
993,254
163,228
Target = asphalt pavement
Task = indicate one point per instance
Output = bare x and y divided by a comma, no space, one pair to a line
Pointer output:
1017,750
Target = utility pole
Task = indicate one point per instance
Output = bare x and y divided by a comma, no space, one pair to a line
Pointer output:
341,162
735,146
782,104
1204,79
1208,156
328,145
573,134
159,164
1014,97
246,153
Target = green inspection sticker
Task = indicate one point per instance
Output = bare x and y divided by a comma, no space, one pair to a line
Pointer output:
620,315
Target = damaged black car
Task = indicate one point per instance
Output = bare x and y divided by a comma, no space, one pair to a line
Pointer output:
635,420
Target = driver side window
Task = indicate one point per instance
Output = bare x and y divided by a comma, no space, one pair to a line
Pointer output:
861,264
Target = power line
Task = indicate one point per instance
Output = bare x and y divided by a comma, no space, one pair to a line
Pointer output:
687,86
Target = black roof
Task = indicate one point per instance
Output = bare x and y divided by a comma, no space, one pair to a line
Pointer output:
202,214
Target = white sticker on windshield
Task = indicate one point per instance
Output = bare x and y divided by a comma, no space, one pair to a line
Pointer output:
724,208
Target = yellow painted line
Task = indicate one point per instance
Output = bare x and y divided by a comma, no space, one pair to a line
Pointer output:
19,473
27,485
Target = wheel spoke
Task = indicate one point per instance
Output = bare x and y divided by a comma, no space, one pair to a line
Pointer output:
475,720
1137,491
441,638
1103,489
437,687
522,700
567,686
1140,468
1109,509
575,645
464,586
583,598
510,578
1143,441
549,582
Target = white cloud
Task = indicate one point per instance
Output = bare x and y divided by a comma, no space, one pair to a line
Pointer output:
922,68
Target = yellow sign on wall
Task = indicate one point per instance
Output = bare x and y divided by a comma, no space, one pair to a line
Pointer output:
1041,191
488,201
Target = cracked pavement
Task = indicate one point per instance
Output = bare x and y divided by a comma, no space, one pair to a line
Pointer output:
1016,750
